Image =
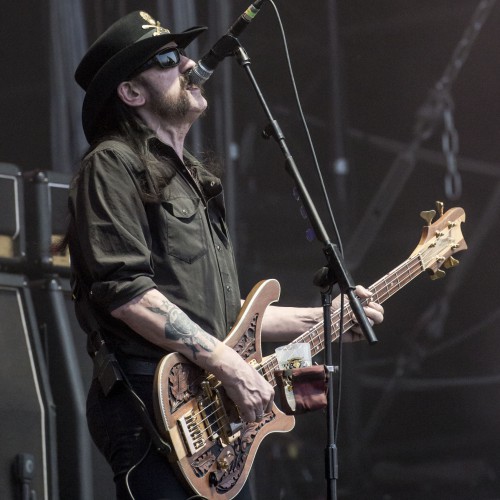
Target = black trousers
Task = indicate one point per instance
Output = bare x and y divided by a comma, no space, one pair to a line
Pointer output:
140,472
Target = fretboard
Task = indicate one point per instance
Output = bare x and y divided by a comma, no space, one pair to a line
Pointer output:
383,289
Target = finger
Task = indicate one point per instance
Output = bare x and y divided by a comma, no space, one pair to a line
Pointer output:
269,407
253,415
377,306
375,313
363,292
247,416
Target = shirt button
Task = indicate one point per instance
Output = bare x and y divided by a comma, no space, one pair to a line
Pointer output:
218,247
228,288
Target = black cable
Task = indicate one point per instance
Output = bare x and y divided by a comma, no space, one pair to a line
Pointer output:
306,129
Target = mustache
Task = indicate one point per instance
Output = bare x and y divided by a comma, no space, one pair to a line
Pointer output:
185,82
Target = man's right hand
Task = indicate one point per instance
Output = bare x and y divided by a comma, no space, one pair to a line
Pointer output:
249,390
160,321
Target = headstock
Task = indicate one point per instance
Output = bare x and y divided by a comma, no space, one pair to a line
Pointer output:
440,240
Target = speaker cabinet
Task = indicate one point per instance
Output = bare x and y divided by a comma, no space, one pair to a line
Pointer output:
27,413
83,472
12,234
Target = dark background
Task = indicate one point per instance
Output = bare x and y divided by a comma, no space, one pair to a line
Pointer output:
420,410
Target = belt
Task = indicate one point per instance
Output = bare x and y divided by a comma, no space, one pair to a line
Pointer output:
135,366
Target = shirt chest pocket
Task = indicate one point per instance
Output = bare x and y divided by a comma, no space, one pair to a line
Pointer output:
186,238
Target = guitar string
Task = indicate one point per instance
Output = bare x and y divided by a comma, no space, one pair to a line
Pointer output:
209,427
382,290
312,332
205,421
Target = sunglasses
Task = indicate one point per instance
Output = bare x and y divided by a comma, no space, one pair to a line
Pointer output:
167,58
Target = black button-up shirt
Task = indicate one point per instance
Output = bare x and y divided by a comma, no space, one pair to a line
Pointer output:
122,246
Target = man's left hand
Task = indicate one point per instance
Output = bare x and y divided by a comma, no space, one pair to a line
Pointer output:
373,310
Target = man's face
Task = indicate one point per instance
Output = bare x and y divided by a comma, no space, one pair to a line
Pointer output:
169,95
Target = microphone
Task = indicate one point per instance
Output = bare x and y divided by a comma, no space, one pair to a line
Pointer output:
223,47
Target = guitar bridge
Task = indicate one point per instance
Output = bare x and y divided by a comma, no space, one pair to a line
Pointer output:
192,433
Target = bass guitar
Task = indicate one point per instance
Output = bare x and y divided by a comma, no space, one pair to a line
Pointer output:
212,448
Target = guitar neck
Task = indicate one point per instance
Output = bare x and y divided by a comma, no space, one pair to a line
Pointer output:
383,289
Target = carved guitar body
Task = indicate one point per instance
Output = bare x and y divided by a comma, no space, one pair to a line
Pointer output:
212,449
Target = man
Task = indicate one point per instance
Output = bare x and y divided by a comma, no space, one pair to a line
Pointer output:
152,262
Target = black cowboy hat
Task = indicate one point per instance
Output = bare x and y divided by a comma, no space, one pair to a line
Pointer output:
116,54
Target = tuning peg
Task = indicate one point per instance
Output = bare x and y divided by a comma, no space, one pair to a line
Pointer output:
438,275
440,208
450,262
428,215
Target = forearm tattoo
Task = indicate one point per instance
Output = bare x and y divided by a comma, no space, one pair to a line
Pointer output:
179,327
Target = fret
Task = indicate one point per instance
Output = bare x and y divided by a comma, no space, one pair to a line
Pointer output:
382,290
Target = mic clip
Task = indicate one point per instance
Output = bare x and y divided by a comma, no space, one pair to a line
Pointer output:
225,47
272,129
267,132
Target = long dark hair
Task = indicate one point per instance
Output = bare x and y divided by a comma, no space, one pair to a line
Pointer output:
119,122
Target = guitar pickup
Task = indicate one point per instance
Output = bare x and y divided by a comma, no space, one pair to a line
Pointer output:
204,423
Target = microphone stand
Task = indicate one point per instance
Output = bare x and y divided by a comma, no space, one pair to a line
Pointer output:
334,272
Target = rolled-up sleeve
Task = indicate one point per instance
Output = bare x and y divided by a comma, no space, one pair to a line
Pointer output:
114,239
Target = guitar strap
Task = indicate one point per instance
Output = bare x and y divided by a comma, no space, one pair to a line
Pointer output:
109,373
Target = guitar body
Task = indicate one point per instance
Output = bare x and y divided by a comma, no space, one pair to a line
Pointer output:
211,447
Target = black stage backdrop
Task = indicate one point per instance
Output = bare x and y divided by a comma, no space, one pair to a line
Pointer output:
420,409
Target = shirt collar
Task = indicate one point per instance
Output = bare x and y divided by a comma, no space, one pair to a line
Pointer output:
211,184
